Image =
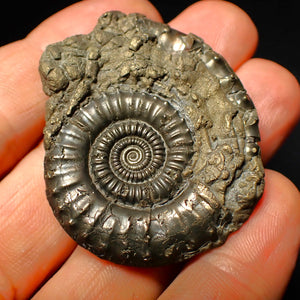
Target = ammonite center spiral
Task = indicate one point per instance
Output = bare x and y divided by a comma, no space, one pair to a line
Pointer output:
151,142
131,157
136,161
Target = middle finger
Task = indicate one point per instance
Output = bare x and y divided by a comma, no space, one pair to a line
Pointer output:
223,26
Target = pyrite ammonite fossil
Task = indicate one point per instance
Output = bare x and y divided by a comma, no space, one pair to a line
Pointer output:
151,142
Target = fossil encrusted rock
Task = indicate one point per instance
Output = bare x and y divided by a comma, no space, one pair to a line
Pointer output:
151,142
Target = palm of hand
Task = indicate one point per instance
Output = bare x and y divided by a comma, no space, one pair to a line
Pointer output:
33,246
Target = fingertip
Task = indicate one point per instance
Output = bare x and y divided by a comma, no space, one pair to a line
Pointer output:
276,94
224,26
246,266
274,220
271,236
281,191
276,226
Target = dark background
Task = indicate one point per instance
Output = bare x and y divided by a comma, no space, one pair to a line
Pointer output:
279,31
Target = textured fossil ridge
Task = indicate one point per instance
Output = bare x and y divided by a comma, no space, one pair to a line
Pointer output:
151,142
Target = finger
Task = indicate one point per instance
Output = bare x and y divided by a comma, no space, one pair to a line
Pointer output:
276,95
222,25
22,99
32,244
246,266
84,276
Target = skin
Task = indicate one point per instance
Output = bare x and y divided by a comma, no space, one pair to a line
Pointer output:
39,260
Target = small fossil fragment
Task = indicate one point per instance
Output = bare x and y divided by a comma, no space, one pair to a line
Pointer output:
151,142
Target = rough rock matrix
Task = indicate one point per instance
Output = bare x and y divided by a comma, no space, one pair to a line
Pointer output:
151,142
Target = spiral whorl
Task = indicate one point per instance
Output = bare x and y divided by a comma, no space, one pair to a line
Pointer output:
151,142
140,161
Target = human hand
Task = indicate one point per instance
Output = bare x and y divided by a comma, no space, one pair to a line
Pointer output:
255,262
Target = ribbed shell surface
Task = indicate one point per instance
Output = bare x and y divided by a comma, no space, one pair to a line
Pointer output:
151,142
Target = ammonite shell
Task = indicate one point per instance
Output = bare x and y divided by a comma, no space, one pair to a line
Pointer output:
151,142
